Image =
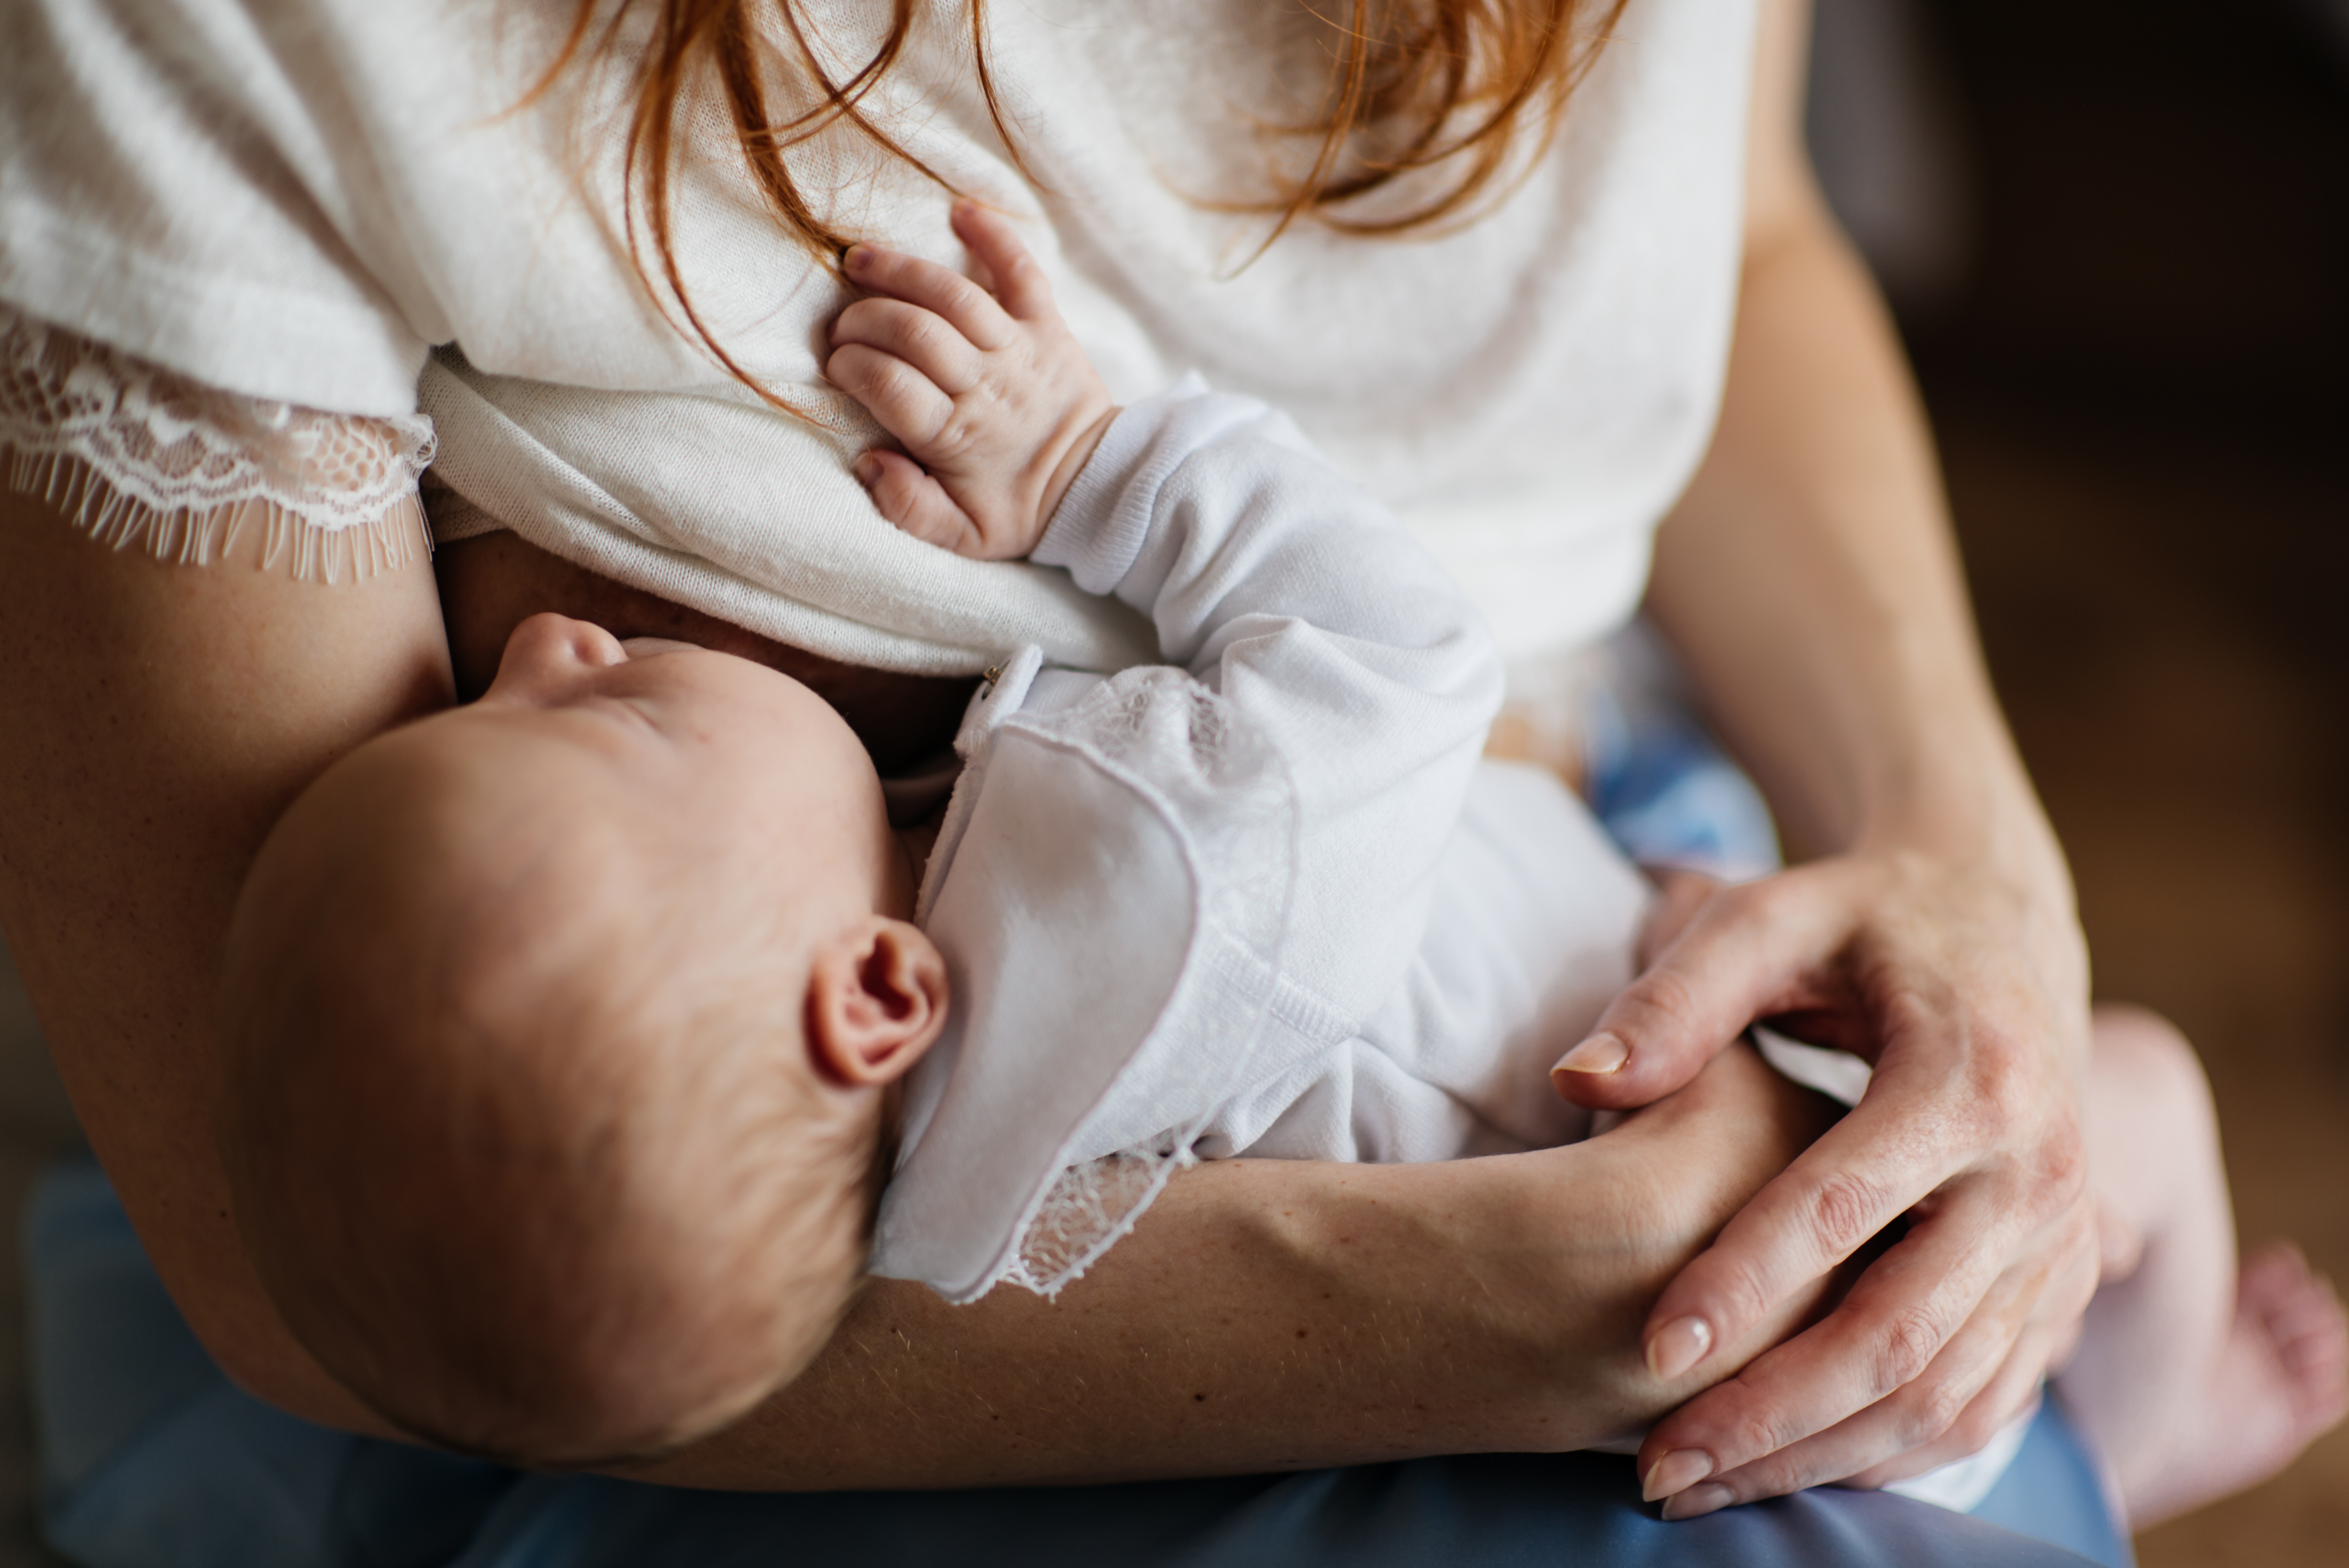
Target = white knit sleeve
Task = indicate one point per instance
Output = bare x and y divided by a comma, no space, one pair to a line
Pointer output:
1295,596
139,456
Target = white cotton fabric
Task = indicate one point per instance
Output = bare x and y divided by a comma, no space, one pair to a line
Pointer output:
298,199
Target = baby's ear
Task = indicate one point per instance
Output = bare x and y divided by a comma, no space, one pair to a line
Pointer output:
876,999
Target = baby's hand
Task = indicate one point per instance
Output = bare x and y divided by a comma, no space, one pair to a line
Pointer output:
993,398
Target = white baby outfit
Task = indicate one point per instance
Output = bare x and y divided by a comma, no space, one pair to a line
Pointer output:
1238,906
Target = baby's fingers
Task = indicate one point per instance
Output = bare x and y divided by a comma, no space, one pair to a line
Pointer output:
1019,284
966,306
904,493
923,339
907,403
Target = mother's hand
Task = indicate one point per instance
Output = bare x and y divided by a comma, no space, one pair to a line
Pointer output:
1963,985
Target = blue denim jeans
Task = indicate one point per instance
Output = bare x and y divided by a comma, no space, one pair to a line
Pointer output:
152,1460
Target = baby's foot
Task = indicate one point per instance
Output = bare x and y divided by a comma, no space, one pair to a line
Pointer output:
2282,1382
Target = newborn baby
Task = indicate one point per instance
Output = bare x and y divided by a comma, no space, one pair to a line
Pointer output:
573,1026
588,992
564,1021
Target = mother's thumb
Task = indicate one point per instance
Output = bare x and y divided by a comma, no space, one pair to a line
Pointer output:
1646,1045
1661,1030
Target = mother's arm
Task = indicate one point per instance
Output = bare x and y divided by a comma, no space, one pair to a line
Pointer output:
154,721
158,718
1809,581
1275,1315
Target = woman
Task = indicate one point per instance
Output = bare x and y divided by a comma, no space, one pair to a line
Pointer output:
242,194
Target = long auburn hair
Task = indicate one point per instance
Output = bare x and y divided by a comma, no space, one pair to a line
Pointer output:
1451,86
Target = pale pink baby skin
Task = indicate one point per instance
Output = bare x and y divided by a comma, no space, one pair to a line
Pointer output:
607,973
2198,1377
594,988
985,388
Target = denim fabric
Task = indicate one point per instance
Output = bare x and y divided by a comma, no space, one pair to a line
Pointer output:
151,1459
1657,780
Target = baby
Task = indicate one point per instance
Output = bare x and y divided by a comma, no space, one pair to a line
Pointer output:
588,1000
612,999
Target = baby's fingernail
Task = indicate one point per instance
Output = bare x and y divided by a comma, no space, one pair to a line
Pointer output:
1598,1054
1677,1346
867,470
1710,1498
1676,1472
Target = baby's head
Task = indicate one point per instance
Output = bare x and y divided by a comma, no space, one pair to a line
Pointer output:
561,1026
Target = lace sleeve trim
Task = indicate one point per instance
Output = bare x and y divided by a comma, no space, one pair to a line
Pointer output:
1232,791
1088,1209
139,456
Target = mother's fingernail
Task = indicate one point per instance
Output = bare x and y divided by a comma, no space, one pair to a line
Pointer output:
1598,1054
1697,1500
1676,1472
1679,1345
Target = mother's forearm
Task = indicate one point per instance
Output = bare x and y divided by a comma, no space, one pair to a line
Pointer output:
1810,581
1275,1314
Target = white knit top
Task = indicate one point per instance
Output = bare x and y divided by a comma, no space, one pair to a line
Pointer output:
299,200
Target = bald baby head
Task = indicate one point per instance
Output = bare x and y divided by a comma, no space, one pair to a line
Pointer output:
556,1054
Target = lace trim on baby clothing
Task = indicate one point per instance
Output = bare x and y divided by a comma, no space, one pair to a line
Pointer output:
139,456
1087,1208
1232,792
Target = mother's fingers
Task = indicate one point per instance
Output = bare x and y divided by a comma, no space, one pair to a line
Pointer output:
1867,1171
1680,895
1826,1459
1887,1331
1741,956
2012,1396
1987,1371
1979,1121
1896,1340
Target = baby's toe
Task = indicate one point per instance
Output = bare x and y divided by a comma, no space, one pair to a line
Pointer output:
2301,1315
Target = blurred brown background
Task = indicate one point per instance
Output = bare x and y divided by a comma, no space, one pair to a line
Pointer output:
2118,235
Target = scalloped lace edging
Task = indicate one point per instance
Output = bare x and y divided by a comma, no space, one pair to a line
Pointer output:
140,457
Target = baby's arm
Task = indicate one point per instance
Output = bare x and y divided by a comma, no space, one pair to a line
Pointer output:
1325,627
1269,578
997,405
